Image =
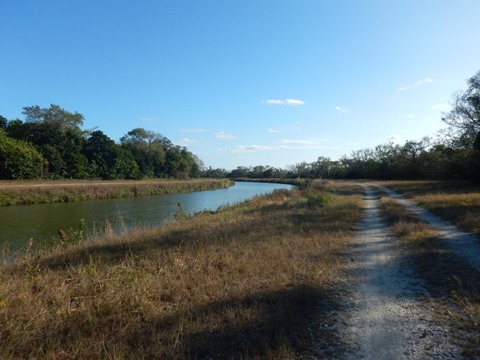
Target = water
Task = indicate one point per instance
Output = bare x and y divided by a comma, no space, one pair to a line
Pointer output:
18,224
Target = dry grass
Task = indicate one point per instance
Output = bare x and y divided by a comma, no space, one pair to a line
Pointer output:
456,201
453,284
36,192
241,283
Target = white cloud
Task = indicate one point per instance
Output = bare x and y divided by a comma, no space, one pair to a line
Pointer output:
284,129
441,107
188,141
241,149
423,81
426,80
297,142
224,136
286,144
342,109
293,102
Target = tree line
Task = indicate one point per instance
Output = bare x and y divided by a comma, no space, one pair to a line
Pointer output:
51,144
453,154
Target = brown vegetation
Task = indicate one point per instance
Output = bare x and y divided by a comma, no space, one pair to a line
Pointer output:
240,283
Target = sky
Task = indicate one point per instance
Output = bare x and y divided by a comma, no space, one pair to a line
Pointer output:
243,82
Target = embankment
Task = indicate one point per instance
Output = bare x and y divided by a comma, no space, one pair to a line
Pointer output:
37,192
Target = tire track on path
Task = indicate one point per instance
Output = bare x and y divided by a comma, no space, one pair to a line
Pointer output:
390,318
462,243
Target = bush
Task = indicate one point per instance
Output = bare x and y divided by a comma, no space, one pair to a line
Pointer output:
19,159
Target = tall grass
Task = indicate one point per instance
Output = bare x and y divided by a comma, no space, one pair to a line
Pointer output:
452,283
240,283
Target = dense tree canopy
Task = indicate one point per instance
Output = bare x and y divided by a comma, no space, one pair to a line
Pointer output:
54,137
56,134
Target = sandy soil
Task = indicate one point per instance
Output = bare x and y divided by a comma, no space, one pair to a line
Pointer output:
391,315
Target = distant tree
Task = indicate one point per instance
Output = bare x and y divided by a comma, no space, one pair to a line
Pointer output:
465,114
436,163
386,157
53,114
181,163
361,165
239,172
199,162
321,168
410,153
149,151
301,170
214,173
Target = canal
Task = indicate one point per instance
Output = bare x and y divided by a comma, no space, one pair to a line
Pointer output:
41,222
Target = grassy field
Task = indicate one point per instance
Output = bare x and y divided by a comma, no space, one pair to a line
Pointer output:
35,192
454,286
240,283
456,201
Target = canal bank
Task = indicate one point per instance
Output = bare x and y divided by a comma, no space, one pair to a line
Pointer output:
40,192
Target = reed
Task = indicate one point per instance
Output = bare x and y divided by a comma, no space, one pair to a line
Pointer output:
243,283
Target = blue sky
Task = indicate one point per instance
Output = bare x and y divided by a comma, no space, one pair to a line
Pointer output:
243,82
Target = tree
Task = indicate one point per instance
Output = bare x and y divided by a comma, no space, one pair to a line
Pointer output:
3,123
101,152
321,168
214,173
149,151
18,159
53,114
411,152
57,135
239,172
465,114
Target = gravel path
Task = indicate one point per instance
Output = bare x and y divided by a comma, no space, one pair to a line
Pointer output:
391,316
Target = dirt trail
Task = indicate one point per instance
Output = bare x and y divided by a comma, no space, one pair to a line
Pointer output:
464,244
391,316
